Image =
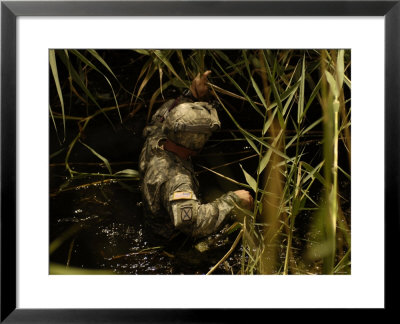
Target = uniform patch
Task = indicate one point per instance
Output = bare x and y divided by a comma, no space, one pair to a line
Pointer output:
186,214
182,195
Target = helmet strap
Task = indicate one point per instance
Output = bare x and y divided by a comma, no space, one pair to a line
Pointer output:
183,152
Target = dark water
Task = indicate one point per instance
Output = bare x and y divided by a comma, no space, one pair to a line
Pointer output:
112,235
104,228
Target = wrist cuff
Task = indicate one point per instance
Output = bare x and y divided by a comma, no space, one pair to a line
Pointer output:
234,197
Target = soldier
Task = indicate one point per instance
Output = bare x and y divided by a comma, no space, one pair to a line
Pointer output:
178,130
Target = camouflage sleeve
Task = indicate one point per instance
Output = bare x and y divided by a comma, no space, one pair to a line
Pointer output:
196,219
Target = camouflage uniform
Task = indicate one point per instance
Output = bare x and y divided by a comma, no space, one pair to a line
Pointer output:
170,188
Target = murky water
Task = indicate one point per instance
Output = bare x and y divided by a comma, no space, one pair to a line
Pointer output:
103,228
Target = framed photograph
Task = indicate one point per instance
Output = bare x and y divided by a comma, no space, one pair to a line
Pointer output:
298,166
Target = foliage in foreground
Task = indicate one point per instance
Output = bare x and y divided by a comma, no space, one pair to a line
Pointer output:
293,97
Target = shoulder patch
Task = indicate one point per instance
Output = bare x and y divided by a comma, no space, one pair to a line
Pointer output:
186,213
178,195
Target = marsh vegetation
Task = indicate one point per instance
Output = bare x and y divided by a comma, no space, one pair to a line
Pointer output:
286,137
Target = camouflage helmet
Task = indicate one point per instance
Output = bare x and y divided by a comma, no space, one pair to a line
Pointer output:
190,124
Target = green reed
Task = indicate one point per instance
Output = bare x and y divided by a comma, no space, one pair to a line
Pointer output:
284,189
294,96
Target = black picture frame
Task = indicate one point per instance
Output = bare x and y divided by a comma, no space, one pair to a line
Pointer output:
10,10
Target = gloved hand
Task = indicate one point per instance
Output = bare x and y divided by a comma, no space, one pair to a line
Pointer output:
199,86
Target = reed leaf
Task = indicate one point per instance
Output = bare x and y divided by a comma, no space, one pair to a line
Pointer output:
142,51
314,172
250,180
253,82
340,68
332,84
87,62
300,109
182,61
290,95
129,173
267,156
99,156
159,54
274,91
100,59
54,123
250,137
314,93
244,93
54,70
232,65
77,79
268,122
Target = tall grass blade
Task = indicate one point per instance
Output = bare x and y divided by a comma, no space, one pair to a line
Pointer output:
274,91
313,172
232,65
253,82
189,76
54,123
87,62
244,93
332,84
268,123
100,59
53,66
301,94
290,100
314,93
77,79
159,54
249,179
266,158
340,68
227,178
99,156
129,173
249,136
